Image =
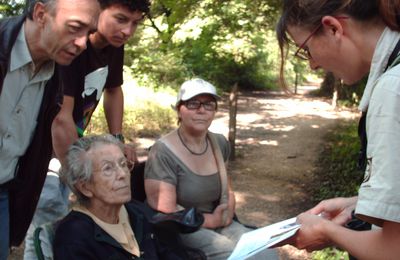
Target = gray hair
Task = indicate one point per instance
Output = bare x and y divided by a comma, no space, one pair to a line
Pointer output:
78,165
30,6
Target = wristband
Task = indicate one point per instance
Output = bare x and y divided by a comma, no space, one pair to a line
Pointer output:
119,137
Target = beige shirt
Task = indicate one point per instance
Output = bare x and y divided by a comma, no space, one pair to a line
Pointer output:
122,231
379,198
20,102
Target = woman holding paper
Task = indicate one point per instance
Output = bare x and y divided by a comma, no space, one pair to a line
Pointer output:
186,168
351,39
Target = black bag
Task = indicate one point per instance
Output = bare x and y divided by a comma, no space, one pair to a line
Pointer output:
167,227
184,221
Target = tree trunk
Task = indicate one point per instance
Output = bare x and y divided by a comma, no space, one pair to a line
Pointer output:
233,98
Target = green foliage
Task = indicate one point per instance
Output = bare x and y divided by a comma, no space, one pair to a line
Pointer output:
338,174
150,120
351,95
330,254
224,42
144,116
11,7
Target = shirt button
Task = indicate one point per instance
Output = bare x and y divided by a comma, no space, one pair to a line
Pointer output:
18,110
8,136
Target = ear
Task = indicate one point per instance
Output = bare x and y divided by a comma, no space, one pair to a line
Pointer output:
332,25
85,188
38,15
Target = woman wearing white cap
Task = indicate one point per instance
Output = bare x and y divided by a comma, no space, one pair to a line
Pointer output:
183,171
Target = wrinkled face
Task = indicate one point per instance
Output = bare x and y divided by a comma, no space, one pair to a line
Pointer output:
332,50
117,24
197,119
110,182
65,31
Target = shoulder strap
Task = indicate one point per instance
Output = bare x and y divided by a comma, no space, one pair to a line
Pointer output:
394,58
222,172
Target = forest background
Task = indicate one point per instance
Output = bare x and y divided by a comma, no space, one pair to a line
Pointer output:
227,42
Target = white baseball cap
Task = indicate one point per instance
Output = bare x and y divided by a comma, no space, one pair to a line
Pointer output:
195,87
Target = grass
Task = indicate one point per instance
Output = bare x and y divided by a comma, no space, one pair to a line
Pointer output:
337,174
146,113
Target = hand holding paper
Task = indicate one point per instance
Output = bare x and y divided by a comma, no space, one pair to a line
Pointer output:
255,241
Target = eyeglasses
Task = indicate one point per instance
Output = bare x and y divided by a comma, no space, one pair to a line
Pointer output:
196,104
303,52
111,168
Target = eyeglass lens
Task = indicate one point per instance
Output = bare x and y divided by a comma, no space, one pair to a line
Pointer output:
110,168
195,104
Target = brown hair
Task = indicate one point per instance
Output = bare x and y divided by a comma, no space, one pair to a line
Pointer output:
390,12
308,14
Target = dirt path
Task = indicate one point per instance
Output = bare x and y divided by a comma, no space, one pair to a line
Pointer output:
279,139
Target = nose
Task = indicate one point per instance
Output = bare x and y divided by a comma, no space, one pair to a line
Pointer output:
201,108
127,31
313,64
80,42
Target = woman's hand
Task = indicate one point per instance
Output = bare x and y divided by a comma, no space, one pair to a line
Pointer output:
327,215
338,210
215,219
311,235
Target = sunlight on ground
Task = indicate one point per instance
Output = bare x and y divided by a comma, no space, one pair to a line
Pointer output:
270,115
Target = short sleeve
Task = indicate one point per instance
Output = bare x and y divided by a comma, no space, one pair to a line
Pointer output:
115,76
71,78
379,198
160,165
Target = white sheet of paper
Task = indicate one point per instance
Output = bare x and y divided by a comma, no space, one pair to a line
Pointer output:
254,241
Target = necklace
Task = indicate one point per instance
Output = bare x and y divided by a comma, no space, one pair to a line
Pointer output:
187,148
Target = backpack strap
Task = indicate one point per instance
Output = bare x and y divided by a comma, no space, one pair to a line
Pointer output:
222,173
394,58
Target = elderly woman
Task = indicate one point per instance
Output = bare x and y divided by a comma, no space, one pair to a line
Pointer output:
183,170
103,225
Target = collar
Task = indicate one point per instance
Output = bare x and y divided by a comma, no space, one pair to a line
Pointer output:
21,56
384,48
119,231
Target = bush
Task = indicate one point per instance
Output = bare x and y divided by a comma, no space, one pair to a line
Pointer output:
145,115
337,166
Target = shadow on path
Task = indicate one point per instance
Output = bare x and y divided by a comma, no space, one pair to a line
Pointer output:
279,139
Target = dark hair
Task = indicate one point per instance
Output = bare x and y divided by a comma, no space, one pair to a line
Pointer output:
308,14
133,5
390,12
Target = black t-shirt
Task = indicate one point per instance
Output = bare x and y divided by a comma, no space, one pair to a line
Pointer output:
87,76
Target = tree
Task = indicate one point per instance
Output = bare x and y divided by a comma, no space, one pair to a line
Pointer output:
226,42
11,7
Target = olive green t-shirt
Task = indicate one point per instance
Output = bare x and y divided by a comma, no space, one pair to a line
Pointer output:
192,190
